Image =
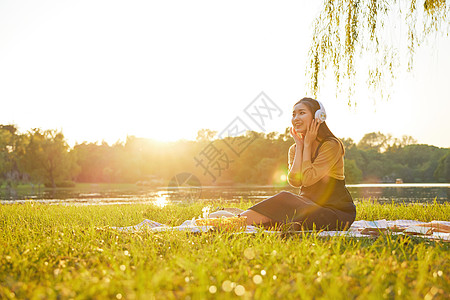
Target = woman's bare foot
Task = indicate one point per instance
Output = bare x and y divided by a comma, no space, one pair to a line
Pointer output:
221,213
254,218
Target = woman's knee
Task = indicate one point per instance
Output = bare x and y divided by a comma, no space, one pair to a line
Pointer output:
285,194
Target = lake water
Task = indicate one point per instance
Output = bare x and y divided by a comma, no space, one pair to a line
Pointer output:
103,194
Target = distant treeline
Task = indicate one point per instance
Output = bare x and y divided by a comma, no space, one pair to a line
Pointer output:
44,157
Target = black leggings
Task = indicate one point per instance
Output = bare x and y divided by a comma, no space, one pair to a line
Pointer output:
302,213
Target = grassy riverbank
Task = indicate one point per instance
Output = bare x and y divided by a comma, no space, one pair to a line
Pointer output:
51,251
78,186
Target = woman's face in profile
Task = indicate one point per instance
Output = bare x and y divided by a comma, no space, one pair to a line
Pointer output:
301,118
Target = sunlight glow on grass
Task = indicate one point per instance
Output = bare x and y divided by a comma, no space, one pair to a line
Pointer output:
45,255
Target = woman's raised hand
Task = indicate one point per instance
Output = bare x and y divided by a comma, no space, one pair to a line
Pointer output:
311,132
298,138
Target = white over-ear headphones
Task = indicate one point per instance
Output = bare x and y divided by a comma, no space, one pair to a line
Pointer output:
321,113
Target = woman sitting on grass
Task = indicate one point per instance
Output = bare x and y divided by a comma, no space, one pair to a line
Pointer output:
316,165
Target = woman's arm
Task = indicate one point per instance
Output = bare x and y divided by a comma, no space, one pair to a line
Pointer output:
295,167
306,153
295,171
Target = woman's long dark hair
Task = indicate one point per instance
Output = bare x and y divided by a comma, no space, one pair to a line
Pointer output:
324,132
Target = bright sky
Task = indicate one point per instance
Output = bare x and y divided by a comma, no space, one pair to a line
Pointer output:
102,70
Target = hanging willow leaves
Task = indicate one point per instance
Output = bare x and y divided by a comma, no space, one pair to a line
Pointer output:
374,31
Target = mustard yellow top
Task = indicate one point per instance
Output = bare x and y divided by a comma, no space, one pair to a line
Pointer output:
329,162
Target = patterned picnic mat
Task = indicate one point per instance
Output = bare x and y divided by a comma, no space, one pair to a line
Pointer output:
435,230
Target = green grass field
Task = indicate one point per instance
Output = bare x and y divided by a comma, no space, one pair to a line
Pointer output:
55,251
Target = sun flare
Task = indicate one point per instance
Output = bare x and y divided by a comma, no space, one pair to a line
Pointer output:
161,200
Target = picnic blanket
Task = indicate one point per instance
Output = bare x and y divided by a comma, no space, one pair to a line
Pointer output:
435,230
